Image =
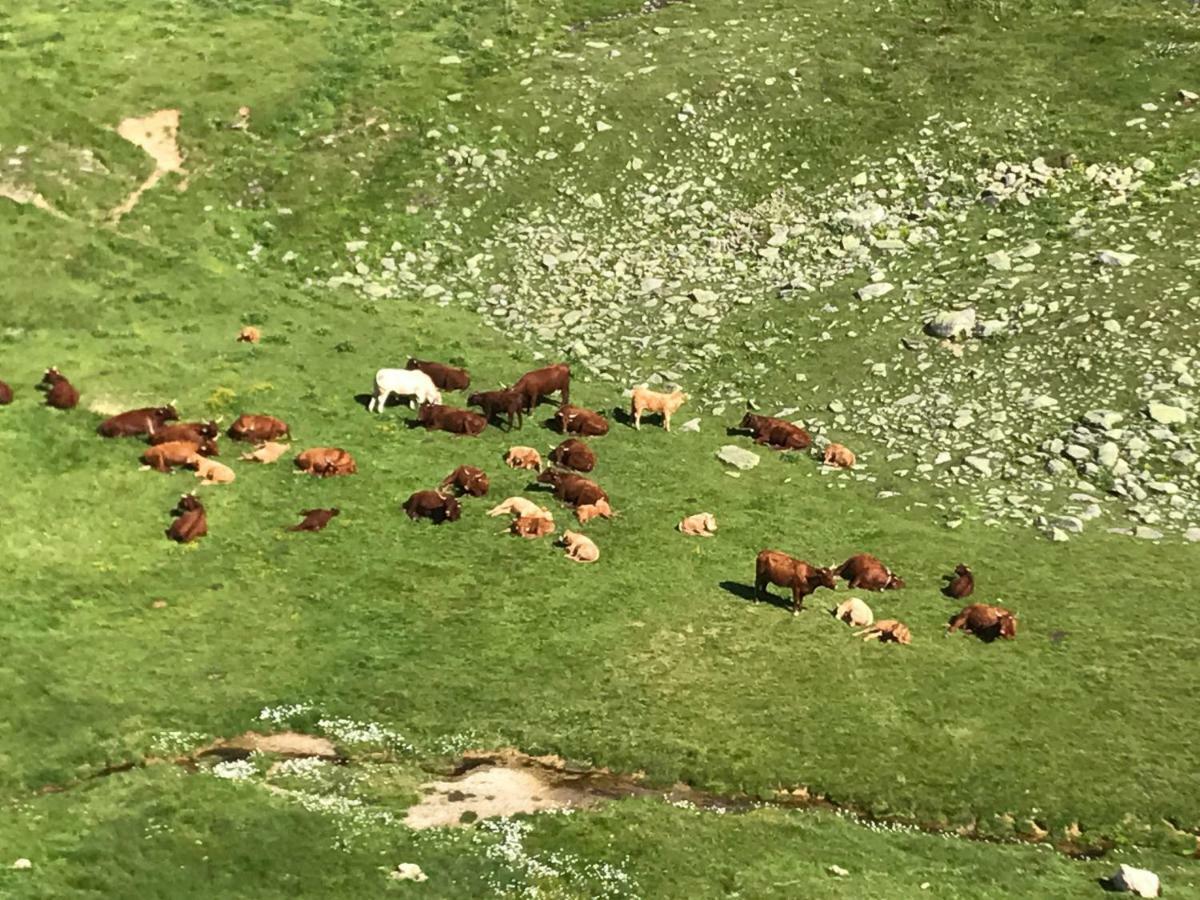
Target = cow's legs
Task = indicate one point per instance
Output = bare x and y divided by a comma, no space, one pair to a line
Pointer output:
759,584
382,399
797,600
637,419
667,421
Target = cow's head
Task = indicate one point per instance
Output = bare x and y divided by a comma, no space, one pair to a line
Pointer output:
51,375
748,420
208,429
825,577
166,413
1008,626
894,582
188,502
412,363
962,569
452,509
549,476
474,400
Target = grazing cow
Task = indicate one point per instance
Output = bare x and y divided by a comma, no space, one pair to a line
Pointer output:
580,548
137,422
315,519
960,584
535,385
518,506
532,526
776,433
161,457
854,612
432,505
212,472
447,418
572,489
60,393
589,511
887,631
190,521
644,400
523,458
448,378
468,480
774,567
497,403
6,394
249,335
985,621
839,456
866,572
700,525
574,454
413,384
266,452
326,462
577,420
196,432
255,428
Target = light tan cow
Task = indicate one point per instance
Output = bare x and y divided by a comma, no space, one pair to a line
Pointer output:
644,400
887,630
580,548
533,527
250,335
211,471
266,452
589,511
840,456
855,612
523,458
517,506
700,525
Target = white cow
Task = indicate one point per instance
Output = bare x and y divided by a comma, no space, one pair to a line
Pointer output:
411,383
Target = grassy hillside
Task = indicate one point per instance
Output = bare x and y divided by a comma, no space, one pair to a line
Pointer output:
675,193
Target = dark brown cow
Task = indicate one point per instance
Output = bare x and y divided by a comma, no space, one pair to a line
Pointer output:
448,378
572,489
202,433
468,480
960,584
774,567
6,394
137,422
432,505
574,454
60,393
539,383
984,621
868,573
161,457
326,462
190,522
436,417
577,420
257,428
315,519
776,433
497,403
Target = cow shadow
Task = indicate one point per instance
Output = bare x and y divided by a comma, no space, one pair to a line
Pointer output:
622,416
364,400
746,592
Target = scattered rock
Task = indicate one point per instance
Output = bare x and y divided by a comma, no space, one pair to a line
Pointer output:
408,872
1000,260
22,863
690,425
1147,534
980,465
1142,882
873,291
838,871
1166,415
1114,258
738,457
952,323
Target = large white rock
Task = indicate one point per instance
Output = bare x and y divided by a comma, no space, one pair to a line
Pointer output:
1142,882
1166,415
873,291
1115,258
952,323
737,457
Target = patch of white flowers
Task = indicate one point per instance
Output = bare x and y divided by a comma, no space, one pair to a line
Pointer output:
282,715
348,731
173,743
234,769
306,767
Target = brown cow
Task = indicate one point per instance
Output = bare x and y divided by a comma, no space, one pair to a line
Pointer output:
868,573
774,567
190,522
985,621
256,428
776,433
535,385
577,420
197,432
432,505
961,583
161,457
436,417
60,393
574,454
572,489
468,480
315,519
887,631
839,456
523,458
6,394
497,403
137,422
448,378
326,462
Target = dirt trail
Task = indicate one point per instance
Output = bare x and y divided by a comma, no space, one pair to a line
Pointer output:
157,134
29,197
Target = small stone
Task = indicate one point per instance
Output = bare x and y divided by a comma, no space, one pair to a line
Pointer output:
838,871
408,872
1077,452
1030,250
1102,418
874,291
941,459
952,323
1141,164
1000,260
1114,258
1163,487
690,425
1072,524
979,464
1107,454
1187,96
1192,534
1112,326
836,406
1166,415
1058,535
22,863
1147,534
738,457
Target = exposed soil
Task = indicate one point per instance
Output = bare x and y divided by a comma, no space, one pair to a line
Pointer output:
157,134
29,197
290,744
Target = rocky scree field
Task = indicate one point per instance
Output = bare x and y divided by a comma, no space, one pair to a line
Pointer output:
958,238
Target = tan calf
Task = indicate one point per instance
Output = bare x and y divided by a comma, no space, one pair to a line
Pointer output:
700,525
839,456
644,400
211,471
580,548
887,631
588,511
516,506
266,452
532,527
523,458
854,612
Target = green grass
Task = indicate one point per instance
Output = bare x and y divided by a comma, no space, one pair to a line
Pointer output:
650,661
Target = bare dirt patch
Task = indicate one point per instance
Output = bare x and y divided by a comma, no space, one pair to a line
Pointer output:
24,196
291,744
158,135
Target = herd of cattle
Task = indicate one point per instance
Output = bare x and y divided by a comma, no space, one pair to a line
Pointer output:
193,444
